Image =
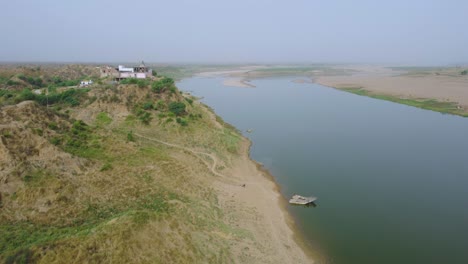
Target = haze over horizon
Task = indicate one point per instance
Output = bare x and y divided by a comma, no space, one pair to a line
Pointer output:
303,31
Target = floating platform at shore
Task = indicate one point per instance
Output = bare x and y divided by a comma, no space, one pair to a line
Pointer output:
301,200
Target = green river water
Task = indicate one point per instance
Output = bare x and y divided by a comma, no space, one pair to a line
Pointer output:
391,180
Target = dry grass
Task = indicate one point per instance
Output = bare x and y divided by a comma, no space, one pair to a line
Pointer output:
119,201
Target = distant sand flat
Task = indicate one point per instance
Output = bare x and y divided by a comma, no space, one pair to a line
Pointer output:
443,87
233,78
237,82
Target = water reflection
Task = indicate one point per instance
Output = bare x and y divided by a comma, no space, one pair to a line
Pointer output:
312,204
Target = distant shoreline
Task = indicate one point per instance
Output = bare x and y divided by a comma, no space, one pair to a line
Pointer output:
444,92
441,89
232,78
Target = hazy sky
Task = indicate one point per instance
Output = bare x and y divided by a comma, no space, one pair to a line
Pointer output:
306,31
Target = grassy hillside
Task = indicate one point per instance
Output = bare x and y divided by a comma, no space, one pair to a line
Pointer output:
116,176
17,77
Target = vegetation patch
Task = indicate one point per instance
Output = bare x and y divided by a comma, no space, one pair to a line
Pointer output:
103,119
124,200
70,97
106,167
130,136
163,84
80,140
182,121
59,81
230,140
19,238
428,104
178,108
141,83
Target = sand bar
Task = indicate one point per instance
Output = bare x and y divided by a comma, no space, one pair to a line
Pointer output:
445,85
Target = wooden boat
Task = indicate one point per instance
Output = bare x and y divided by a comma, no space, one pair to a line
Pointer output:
301,200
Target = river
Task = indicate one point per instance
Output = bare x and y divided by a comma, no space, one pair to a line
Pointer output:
391,180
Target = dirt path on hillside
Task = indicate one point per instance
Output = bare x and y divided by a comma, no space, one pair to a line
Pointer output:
212,167
251,197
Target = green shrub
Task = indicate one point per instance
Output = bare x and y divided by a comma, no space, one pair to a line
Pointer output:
142,83
147,106
129,81
465,72
6,94
52,89
53,125
12,83
56,141
181,121
145,118
60,82
160,105
162,85
70,97
130,136
194,117
178,108
26,94
103,119
80,129
34,81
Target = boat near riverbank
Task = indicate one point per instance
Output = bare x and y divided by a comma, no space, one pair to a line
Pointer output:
301,200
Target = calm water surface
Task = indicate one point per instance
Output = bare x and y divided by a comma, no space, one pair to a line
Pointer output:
392,180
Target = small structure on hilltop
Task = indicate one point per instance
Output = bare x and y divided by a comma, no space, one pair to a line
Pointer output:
122,72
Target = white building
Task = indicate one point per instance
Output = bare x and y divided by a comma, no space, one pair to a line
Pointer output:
86,83
122,68
122,72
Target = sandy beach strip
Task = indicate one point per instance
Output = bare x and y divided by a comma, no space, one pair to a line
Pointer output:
441,84
234,77
441,88
256,203
237,82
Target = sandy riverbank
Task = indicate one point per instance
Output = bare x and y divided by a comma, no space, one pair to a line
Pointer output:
234,77
252,201
238,82
260,208
446,85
